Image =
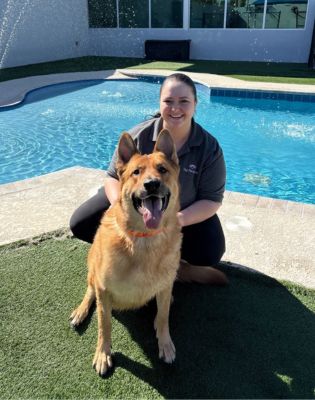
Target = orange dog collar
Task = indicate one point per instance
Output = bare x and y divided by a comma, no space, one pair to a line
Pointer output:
145,234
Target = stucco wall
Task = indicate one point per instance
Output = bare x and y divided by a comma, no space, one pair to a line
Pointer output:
33,31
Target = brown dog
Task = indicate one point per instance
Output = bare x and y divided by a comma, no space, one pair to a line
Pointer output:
136,251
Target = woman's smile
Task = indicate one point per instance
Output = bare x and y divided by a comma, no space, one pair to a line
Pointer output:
177,106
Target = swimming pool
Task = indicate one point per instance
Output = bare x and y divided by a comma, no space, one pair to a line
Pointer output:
269,145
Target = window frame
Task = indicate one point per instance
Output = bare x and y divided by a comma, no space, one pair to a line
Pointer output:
187,21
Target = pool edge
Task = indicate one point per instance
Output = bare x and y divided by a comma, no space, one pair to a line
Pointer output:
13,92
270,236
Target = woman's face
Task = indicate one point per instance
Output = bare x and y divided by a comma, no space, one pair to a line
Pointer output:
177,105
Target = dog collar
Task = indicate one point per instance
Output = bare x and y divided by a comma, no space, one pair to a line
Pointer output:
145,234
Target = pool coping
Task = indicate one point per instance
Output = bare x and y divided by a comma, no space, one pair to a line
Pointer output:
13,92
266,235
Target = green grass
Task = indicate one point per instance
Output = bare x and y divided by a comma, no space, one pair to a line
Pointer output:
252,339
252,71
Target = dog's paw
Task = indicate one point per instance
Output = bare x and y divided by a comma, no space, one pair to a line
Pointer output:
102,362
77,317
167,351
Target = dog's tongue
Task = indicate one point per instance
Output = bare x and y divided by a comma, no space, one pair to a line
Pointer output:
152,212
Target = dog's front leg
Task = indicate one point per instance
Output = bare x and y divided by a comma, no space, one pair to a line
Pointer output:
103,360
161,324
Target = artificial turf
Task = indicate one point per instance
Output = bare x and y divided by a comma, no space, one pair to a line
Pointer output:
252,339
251,71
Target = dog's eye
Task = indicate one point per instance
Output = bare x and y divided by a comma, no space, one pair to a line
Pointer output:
136,171
161,169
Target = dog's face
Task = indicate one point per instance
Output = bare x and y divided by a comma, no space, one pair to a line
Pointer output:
149,183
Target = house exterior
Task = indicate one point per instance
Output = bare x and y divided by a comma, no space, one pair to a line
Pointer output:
33,31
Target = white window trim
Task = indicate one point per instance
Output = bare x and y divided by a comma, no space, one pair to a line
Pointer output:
186,14
225,14
117,12
149,14
264,15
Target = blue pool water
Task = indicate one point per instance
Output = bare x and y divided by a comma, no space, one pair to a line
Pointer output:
269,145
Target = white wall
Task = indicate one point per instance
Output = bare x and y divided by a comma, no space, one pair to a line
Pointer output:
33,31
279,45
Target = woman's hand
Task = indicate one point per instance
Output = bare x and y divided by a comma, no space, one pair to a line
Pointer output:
197,212
112,189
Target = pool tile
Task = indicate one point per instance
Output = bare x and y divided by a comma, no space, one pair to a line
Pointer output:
262,94
305,98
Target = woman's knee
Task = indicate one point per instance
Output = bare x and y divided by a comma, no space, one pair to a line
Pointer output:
86,219
211,255
75,224
204,243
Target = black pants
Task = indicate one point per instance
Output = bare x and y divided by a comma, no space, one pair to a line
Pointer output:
203,243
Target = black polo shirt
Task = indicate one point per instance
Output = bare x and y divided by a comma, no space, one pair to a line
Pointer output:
202,167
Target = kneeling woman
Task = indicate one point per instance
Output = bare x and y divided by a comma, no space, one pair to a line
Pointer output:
202,180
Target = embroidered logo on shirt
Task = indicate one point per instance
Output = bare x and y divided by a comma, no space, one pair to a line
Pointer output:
192,169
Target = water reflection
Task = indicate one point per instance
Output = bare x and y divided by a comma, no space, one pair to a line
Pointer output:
272,14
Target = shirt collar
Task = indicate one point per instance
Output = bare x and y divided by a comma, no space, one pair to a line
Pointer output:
158,124
195,137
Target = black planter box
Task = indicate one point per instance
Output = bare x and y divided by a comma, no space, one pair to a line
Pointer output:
167,50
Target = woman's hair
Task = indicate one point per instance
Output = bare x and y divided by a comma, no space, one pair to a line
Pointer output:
180,78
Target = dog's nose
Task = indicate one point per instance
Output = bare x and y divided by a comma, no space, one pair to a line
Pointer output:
151,185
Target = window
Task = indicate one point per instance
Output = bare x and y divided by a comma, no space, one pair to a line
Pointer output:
245,14
102,14
285,14
207,13
242,14
167,13
133,13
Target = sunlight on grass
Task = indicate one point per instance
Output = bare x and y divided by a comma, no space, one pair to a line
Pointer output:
251,71
227,345
285,379
164,65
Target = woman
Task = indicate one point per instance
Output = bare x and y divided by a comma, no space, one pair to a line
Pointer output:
202,179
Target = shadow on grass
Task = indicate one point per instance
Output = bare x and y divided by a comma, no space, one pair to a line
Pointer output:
253,339
243,68
82,328
99,63
81,64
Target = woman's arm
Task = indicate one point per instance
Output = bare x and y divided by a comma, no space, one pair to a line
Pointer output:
198,212
112,189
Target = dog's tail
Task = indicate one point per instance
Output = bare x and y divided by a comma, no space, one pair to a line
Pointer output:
205,275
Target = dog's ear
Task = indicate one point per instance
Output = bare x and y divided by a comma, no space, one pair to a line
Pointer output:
166,145
126,148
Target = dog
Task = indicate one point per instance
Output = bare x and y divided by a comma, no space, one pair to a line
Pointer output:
135,254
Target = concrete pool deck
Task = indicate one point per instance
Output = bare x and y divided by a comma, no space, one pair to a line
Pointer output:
13,92
270,236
